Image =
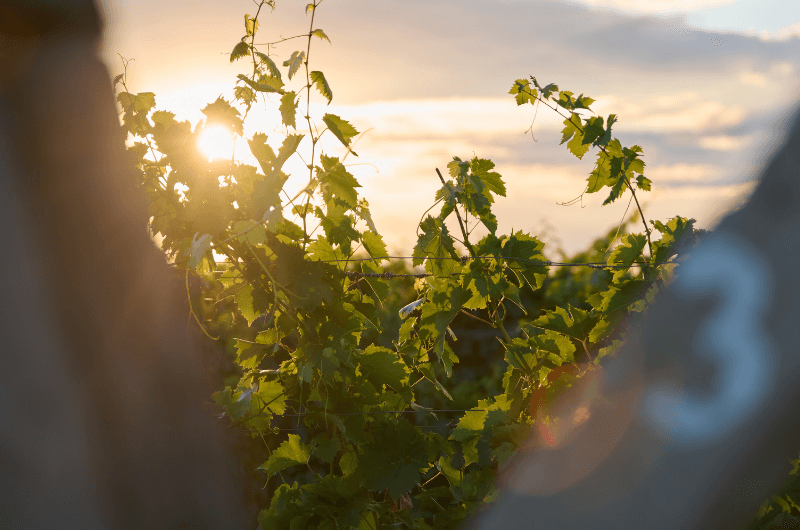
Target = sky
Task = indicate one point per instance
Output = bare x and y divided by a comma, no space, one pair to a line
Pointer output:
707,88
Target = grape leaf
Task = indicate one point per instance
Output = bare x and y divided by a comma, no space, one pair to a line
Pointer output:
523,92
250,25
271,66
383,367
435,242
318,80
320,34
374,244
340,128
628,250
265,84
242,49
393,459
572,322
290,453
294,62
244,300
288,108
336,182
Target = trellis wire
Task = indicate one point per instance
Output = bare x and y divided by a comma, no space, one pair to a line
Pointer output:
388,275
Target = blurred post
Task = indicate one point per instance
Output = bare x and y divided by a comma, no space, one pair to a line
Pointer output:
698,414
100,384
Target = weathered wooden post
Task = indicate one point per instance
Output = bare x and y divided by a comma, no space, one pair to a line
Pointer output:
100,387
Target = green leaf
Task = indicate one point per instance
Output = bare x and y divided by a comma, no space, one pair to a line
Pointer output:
672,233
584,103
163,118
407,327
318,80
548,90
198,250
294,62
629,249
288,108
572,130
572,322
577,146
263,152
250,25
643,183
348,463
136,103
244,300
363,212
616,190
523,92
340,128
266,84
452,474
481,169
271,396
271,66
339,227
287,149
566,100
619,296
531,264
327,448
290,453
593,130
374,244
438,314
392,461
320,34
223,113
251,232
554,346
435,242
242,49
427,370
310,8
381,366
336,182
244,94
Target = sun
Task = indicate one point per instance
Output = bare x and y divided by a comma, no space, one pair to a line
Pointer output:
216,142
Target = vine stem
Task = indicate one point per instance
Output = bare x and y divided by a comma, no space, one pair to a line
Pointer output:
460,222
308,120
602,148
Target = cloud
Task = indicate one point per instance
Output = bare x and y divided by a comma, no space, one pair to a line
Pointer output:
653,6
724,142
783,34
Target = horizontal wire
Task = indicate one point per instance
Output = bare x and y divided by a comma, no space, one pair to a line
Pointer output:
548,263
372,412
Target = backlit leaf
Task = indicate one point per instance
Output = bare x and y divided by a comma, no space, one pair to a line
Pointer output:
288,108
318,80
340,128
242,49
320,34
290,453
294,62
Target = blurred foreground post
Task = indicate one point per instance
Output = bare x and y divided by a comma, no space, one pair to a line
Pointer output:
100,386
698,415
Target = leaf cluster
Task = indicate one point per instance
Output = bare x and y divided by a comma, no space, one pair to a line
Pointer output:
341,384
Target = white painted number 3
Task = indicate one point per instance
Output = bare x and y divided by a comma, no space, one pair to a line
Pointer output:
731,336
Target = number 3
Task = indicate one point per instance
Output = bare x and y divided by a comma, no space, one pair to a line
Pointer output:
731,336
